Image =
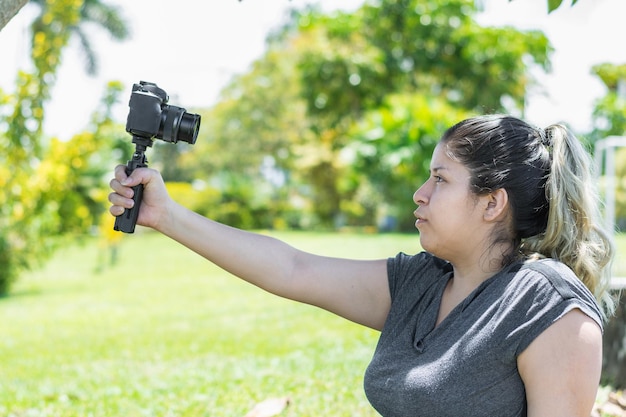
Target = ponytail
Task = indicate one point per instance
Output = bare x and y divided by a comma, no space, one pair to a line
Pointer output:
574,234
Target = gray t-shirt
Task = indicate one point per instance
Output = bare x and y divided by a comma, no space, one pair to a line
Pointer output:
467,365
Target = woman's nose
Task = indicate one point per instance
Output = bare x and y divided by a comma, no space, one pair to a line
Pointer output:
420,197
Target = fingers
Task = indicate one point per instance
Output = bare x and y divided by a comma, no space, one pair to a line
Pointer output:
120,188
122,196
116,210
120,173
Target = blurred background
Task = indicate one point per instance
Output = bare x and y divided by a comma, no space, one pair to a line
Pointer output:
314,115
317,118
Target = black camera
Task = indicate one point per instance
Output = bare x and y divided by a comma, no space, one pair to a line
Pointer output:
151,117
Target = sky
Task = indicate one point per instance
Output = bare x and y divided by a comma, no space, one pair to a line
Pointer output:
194,48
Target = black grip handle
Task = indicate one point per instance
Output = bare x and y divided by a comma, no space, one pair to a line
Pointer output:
127,221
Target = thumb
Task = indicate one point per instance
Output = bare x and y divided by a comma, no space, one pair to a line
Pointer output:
138,176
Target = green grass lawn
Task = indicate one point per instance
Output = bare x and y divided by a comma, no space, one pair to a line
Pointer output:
165,333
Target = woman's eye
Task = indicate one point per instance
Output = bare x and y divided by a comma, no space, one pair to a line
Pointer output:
437,178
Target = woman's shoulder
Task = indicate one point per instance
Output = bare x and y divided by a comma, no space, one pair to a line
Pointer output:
555,274
548,281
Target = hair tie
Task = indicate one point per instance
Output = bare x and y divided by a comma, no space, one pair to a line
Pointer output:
546,139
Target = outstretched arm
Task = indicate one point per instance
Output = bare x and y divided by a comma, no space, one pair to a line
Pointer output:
354,289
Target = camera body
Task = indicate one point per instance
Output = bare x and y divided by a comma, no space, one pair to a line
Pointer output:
151,117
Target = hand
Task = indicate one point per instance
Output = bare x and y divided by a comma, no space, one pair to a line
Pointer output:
155,202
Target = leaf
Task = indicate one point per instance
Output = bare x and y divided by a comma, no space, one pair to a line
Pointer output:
269,407
553,5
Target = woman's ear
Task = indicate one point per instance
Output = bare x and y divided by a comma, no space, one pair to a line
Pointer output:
497,205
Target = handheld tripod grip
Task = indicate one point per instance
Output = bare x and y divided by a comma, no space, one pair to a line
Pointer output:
127,221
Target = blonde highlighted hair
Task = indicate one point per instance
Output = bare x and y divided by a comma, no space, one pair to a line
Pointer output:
574,234
555,209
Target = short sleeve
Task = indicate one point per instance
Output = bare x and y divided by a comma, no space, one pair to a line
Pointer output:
550,291
415,271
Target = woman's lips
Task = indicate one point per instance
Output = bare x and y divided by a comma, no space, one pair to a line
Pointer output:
419,218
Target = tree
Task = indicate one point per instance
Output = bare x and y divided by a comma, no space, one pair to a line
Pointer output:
609,113
47,185
350,62
391,152
298,106
438,47
341,76
250,141
96,12
51,32
609,119
57,194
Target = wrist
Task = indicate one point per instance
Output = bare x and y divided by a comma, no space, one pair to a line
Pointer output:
168,220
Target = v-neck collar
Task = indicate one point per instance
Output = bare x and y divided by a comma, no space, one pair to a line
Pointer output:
427,327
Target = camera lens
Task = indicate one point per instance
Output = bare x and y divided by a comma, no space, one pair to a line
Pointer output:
177,124
188,127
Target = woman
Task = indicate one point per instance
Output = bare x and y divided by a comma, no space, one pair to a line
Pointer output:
500,316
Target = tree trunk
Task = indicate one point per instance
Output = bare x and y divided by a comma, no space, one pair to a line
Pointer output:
614,351
8,9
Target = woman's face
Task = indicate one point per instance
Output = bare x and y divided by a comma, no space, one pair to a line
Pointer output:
449,216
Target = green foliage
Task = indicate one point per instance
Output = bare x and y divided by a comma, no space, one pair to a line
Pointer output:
609,119
437,47
555,4
49,187
238,200
609,114
620,176
253,142
392,149
69,18
341,71
610,74
408,47
58,193
322,76
50,35
260,114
